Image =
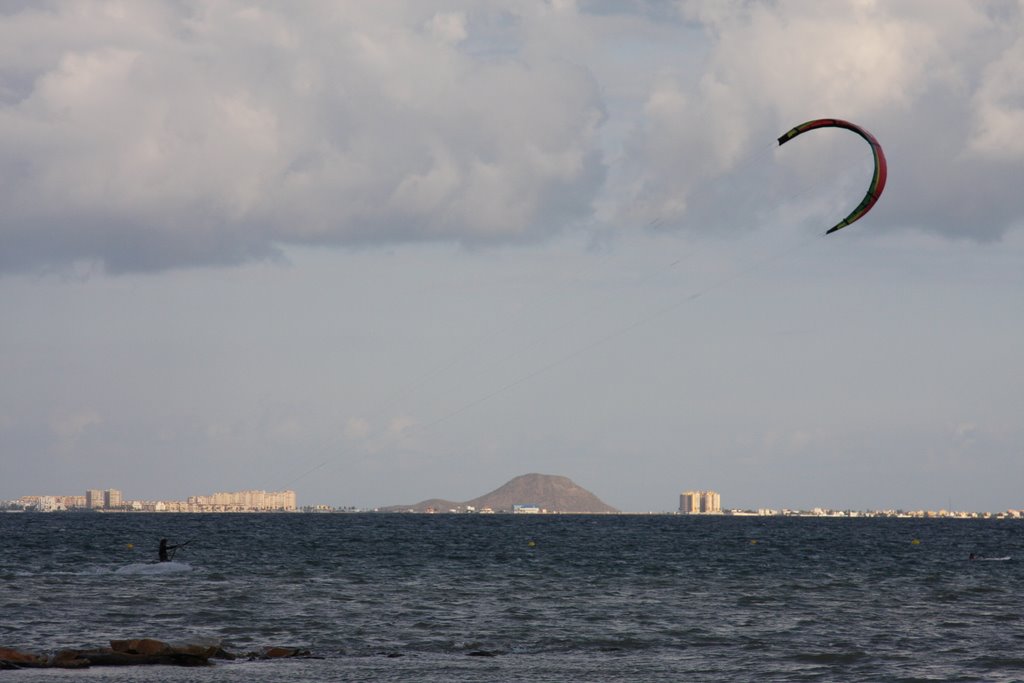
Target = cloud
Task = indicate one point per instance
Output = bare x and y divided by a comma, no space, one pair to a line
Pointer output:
940,87
966,432
998,106
165,135
399,425
357,428
170,135
449,27
70,426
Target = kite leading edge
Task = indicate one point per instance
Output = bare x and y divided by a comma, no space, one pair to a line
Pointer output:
877,180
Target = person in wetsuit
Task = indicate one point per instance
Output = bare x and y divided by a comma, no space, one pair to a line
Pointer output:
164,557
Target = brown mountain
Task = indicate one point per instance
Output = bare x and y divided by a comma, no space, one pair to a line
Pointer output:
548,492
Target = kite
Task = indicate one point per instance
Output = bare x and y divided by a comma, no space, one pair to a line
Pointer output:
877,180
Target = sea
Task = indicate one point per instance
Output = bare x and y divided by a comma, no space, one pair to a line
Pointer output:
405,597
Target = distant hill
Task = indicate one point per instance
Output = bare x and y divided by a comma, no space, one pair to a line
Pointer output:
548,492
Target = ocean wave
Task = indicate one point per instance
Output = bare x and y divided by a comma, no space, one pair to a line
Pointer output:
154,569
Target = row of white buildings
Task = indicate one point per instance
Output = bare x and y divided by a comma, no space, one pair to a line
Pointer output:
245,501
111,499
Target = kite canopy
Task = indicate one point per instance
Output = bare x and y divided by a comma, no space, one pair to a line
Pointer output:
877,180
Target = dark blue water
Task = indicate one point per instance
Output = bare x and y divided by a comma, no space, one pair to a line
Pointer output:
517,598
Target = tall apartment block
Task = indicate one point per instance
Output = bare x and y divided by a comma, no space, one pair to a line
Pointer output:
94,499
112,499
697,502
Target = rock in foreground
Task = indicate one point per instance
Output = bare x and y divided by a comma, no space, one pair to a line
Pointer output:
136,652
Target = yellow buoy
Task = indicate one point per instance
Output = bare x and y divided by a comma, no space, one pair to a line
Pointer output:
915,542
753,541
532,544
131,546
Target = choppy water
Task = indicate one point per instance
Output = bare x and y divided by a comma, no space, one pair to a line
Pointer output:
517,598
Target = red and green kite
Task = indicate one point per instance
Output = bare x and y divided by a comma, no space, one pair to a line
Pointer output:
877,180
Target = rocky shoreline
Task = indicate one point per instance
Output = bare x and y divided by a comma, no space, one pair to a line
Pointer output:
138,652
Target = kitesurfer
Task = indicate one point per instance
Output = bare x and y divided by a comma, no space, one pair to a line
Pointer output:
164,557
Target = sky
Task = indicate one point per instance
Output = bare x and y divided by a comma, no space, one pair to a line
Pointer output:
382,252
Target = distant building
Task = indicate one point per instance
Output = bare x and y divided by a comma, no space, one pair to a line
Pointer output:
700,502
49,504
73,502
525,509
243,501
94,499
111,499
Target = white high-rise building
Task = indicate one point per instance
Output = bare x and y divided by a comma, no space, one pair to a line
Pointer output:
710,502
689,502
700,502
94,499
111,499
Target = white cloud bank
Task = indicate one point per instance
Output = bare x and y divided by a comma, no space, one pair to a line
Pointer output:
148,136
